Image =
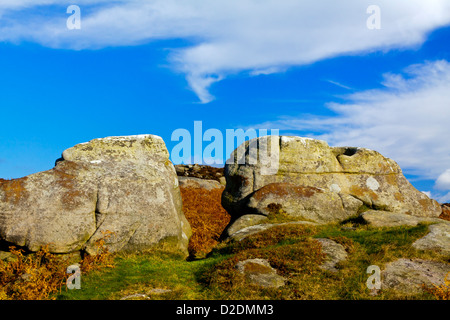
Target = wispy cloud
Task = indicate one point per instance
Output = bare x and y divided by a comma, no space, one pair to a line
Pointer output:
231,36
445,198
443,181
406,120
339,84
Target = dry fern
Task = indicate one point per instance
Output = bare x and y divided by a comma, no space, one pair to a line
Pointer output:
207,217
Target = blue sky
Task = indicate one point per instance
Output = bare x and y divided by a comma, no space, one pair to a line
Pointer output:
308,69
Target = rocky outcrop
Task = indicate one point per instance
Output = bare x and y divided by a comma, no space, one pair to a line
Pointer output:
125,186
319,183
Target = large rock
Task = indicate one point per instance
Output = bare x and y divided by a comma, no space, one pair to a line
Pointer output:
123,185
410,275
313,181
438,239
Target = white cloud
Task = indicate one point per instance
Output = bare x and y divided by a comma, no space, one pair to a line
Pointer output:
443,181
406,120
339,84
428,193
231,36
445,199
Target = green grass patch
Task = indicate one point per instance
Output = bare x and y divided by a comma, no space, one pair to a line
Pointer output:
289,248
140,273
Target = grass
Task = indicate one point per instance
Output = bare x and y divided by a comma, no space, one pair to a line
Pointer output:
290,250
140,273
210,272
38,276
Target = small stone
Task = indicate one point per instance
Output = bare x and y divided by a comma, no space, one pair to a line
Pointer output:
335,253
7,256
248,231
159,291
408,275
390,219
137,296
260,273
437,239
190,182
244,222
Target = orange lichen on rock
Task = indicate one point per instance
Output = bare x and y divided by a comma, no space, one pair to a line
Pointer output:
398,196
361,192
66,179
14,190
285,189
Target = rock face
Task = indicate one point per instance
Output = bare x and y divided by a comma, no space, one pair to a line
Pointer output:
123,185
319,183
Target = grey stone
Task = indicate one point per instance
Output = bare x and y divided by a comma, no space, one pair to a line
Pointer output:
123,185
309,180
408,275
248,231
260,273
7,256
335,253
243,222
391,219
437,239
223,181
189,182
